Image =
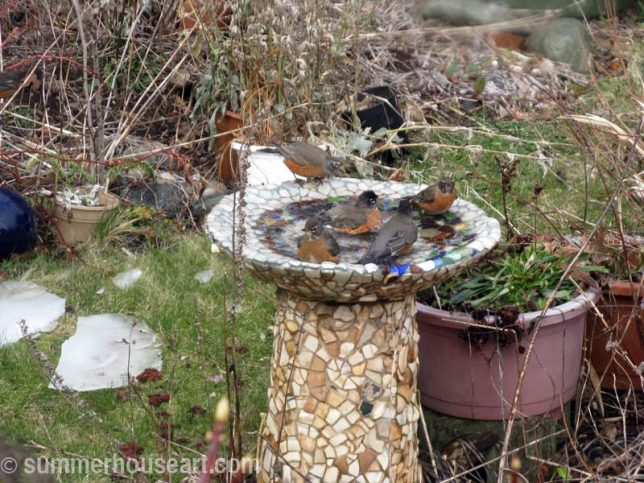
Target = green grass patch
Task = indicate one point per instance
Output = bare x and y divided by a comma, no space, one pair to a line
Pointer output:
187,316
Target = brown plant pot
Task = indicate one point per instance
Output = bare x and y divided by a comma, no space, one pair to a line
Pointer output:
621,307
202,12
227,158
76,223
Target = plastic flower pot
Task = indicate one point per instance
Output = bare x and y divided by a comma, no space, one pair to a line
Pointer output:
77,223
383,114
623,312
480,383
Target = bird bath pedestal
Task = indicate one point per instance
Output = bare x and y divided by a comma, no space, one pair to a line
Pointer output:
342,402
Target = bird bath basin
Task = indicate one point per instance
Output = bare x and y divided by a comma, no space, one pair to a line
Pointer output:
342,404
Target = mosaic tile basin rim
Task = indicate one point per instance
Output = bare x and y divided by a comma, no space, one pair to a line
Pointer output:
275,215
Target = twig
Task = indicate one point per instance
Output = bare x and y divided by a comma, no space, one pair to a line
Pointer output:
549,301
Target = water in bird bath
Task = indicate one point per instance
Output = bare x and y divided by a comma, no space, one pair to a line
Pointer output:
279,229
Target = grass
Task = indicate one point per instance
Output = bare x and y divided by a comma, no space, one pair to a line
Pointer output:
171,302
548,158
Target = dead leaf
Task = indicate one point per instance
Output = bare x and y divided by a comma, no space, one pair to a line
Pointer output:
130,450
166,431
508,40
148,375
156,400
396,175
197,410
609,430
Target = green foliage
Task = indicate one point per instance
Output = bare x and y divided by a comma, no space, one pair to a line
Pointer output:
121,169
564,473
134,227
67,172
525,280
136,75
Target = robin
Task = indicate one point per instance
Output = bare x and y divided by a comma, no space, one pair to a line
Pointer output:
356,218
305,159
436,198
396,237
318,244
10,82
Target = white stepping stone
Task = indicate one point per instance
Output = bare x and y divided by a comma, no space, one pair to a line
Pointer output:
25,300
104,350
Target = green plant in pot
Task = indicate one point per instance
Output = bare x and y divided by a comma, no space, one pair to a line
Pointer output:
476,329
219,94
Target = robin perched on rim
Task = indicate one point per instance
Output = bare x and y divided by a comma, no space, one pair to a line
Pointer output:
437,197
318,244
356,218
307,160
396,237
11,81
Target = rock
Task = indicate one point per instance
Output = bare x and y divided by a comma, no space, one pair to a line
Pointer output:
209,198
23,300
563,40
482,12
105,350
581,9
167,198
465,12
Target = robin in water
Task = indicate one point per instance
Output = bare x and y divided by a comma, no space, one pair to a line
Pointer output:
11,81
318,244
305,159
436,198
396,237
356,218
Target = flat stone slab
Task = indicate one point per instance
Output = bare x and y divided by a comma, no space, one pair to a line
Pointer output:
20,300
275,216
105,350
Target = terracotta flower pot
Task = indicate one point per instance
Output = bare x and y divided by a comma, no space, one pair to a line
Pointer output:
203,11
462,381
621,307
226,157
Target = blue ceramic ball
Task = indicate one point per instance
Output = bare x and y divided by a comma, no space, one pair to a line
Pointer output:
17,224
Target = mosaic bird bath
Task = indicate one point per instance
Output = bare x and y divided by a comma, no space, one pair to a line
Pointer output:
342,403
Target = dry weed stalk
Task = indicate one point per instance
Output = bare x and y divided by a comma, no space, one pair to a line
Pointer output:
72,397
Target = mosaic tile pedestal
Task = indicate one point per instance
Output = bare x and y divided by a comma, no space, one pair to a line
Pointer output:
342,404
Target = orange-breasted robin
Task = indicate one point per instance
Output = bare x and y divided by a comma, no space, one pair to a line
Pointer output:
396,237
318,244
305,159
437,197
361,216
11,81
